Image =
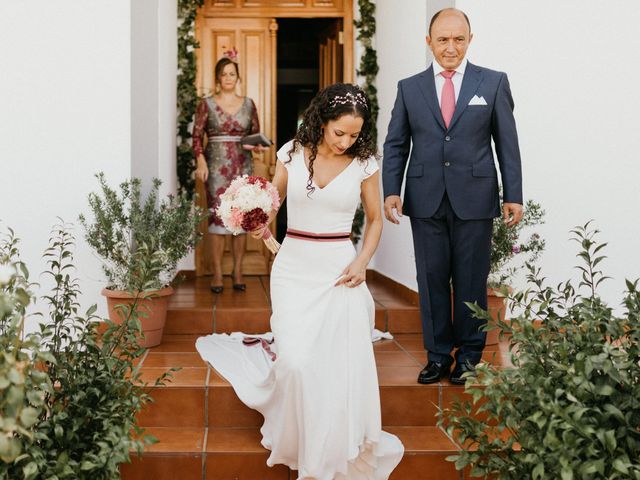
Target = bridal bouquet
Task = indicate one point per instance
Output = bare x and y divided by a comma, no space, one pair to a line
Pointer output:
245,206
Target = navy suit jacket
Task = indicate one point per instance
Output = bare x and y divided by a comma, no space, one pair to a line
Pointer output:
458,160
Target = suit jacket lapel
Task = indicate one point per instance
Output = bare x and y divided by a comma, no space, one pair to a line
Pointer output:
470,83
428,88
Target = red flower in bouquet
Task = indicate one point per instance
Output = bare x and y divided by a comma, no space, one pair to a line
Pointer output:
254,220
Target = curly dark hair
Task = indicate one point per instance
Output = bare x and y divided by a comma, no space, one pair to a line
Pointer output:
332,103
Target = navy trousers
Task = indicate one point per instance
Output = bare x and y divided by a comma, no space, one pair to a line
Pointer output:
452,255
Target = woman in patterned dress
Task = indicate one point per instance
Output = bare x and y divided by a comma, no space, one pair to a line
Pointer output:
224,118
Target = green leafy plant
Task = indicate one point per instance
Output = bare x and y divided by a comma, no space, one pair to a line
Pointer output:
70,395
368,69
23,387
509,244
187,92
124,220
570,406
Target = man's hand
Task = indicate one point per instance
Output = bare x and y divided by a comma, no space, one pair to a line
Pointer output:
390,203
512,213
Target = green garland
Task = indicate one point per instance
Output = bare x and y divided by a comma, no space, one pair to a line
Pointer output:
187,93
368,69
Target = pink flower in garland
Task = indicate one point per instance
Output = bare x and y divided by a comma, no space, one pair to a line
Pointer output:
516,249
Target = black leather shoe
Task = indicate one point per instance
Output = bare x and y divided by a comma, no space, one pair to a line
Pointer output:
459,370
241,287
433,372
217,288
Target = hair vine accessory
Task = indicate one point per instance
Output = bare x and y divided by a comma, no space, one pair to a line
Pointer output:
349,99
231,54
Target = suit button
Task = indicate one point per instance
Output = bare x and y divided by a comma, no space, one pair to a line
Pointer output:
447,138
447,164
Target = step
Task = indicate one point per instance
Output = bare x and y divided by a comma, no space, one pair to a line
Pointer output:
194,309
236,453
205,399
205,432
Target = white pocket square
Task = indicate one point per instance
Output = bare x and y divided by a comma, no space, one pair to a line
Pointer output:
476,100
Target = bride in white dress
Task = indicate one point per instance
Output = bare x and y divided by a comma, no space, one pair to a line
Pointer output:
314,378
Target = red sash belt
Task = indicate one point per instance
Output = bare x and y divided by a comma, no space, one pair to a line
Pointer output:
264,343
318,237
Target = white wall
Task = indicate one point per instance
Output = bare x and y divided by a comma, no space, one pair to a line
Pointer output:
144,90
401,28
69,110
65,96
573,67
167,94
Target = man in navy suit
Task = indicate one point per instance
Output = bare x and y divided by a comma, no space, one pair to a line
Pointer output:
442,123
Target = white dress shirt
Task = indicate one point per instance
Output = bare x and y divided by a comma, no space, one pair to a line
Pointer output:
456,79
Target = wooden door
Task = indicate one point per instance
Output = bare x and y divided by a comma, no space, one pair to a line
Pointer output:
331,54
254,38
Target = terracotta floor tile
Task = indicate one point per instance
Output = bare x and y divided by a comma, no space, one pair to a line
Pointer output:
389,376
226,409
409,405
430,466
176,440
411,342
234,440
381,317
248,320
423,439
189,321
254,295
200,298
404,321
185,377
215,379
385,345
419,356
175,407
177,344
163,467
394,359
169,359
248,466
264,280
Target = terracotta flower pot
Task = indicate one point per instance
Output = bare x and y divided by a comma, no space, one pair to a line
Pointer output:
496,306
152,310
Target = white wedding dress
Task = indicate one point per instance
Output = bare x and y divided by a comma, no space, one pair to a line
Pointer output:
320,397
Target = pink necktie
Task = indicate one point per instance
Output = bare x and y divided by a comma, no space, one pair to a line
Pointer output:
448,100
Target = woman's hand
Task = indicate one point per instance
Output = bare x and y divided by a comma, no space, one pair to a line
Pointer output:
353,275
254,148
202,171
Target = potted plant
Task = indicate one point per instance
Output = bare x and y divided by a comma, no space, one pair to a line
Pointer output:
140,241
511,249
569,408
70,392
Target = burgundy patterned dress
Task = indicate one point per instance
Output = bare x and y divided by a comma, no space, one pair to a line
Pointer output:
225,156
